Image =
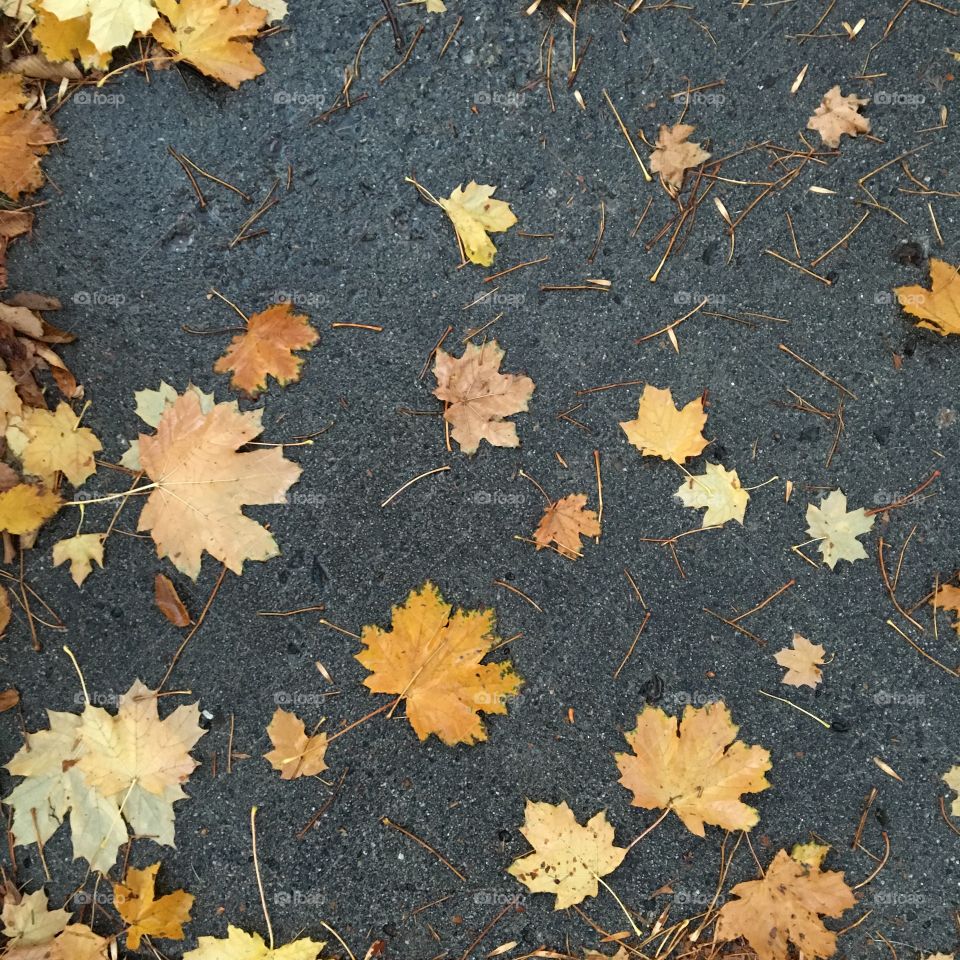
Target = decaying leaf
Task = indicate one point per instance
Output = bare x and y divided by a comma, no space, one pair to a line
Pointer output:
838,115
25,508
13,224
433,660
661,430
239,945
478,396
54,442
802,662
25,137
567,858
475,214
82,552
30,921
952,779
784,907
294,753
266,349
837,530
112,22
103,770
146,914
213,36
10,697
810,854
564,522
699,770
203,483
719,490
938,308
673,154
168,601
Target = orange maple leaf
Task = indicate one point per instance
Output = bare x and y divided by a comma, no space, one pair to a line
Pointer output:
479,396
564,522
432,660
785,907
148,914
212,35
203,482
24,138
266,348
838,115
698,771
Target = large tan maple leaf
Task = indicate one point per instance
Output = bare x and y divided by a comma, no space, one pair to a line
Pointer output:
698,771
203,482
785,907
479,396
432,660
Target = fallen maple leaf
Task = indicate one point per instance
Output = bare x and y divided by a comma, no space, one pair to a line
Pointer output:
151,406
947,597
146,914
475,214
213,36
276,9
239,945
478,396
81,551
810,854
719,490
564,522
294,753
673,154
13,224
837,530
104,770
203,482
939,307
785,907
838,115
568,858
266,348
661,430
24,138
433,661
698,770
25,508
112,22
802,662
952,779
67,40
168,601
10,404
54,442
29,921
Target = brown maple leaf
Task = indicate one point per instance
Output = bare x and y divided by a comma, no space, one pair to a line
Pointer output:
802,662
478,396
13,224
25,137
784,907
203,483
266,348
947,597
698,770
661,430
938,308
673,154
564,522
838,115
433,661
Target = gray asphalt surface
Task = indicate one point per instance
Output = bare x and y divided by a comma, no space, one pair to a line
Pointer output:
123,244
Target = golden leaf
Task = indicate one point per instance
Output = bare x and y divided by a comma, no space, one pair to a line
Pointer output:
64,40
146,914
837,530
661,430
433,661
81,551
294,753
939,307
112,24
475,214
56,443
564,522
802,662
239,945
24,508
719,490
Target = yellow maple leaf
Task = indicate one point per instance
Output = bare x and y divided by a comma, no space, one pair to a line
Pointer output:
568,858
719,490
939,307
213,36
103,770
952,779
838,115
54,442
479,397
240,945
785,907
294,753
28,920
203,482
661,430
802,662
24,508
564,522
24,138
81,551
475,214
65,40
433,661
112,22
148,915
674,154
837,529
810,854
698,770
266,348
